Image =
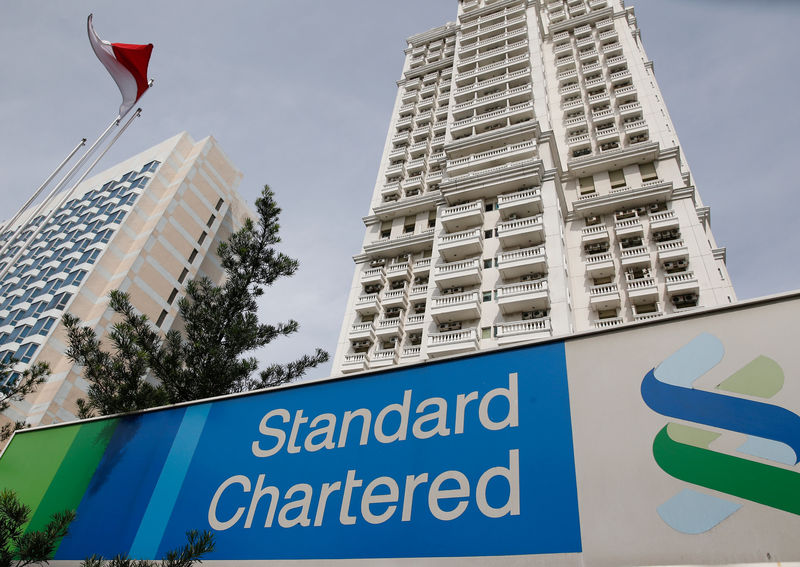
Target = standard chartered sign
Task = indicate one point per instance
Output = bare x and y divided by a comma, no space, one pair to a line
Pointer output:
459,458
447,494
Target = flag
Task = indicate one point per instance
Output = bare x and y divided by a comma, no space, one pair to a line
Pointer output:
127,64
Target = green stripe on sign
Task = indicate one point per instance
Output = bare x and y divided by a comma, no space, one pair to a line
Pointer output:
772,486
31,462
70,481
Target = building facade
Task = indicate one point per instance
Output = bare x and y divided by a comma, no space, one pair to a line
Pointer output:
145,226
531,185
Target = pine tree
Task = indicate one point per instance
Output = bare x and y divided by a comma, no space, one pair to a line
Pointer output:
17,547
15,385
209,356
198,544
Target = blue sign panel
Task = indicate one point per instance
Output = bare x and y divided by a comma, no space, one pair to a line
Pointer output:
467,457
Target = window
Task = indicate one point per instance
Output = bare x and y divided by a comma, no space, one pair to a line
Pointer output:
386,229
219,204
586,185
648,171
431,219
489,206
172,296
211,220
606,313
192,256
617,178
202,238
161,317
183,275
486,333
487,263
487,296
487,233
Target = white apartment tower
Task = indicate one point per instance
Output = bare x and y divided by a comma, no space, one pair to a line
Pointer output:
532,185
145,226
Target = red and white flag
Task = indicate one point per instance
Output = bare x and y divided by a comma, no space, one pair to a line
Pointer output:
127,64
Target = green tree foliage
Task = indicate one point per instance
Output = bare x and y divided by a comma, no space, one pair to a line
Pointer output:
198,544
15,385
209,356
18,548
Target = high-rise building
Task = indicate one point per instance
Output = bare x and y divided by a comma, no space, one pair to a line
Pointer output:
145,226
531,185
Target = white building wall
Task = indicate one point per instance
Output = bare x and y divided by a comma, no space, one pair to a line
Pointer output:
543,97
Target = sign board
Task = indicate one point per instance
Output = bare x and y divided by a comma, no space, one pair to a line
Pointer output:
657,444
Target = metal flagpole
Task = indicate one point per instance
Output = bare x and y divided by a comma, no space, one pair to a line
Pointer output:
36,194
66,194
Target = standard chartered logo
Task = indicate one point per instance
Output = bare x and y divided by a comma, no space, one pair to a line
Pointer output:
685,452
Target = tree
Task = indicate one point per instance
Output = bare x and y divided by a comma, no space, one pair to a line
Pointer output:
198,545
32,547
208,357
15,385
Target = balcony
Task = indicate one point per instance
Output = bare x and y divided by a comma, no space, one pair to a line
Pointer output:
607,134
422,266
411,352
490,158
466,272
636,127
672,251
633,257
355,362
362,331
603,297
391,327
608,322
372,276
383,358
461,244
628,227
521,232
516,263
461,217
630,109
684,282
418,291
599,265
414,322
524,203
367,304
665,220
394,298
517,331
642,290
456,307
397,271
523,296
453,342
594,234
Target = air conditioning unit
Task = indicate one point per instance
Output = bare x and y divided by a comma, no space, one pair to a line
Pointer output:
669,265
452,290
592,220
402,258
361,344
373,288
377,262
682,263
641,211
513,216
452,326
684,300
653,207
419,308
536,314
532,277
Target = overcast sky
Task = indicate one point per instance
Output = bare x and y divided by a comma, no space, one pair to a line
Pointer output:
299,94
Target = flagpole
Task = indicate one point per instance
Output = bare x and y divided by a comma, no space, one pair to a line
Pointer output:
10,223
43,205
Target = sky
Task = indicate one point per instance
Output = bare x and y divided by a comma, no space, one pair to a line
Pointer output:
299,94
